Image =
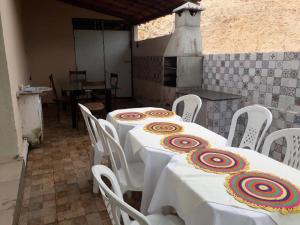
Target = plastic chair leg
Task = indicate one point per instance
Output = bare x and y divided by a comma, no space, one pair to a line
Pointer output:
95,186
97,161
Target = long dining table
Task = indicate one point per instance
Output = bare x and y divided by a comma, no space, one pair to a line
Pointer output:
203,197
147,145
123,126
193,170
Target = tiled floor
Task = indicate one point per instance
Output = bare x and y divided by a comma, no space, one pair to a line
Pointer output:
58,186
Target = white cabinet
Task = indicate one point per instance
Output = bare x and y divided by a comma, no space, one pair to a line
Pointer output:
101,53
32,117
31,112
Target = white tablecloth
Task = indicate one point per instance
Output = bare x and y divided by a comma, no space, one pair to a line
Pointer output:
155,157
200,198
123,127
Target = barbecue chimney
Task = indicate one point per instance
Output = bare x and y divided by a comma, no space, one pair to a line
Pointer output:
186,39
183,54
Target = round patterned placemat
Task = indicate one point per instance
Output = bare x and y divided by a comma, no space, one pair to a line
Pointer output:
264,191
130,116
217,161
183,143
161,113
163,128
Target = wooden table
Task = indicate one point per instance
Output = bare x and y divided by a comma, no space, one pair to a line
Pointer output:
74,90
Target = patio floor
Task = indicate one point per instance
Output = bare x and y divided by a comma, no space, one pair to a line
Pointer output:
58,184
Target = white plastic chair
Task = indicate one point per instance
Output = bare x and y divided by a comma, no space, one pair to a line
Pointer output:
292,137
192,105
257,117
97,146
130,175
117,208
108,127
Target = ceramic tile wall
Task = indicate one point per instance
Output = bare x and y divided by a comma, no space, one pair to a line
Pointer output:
148,68
269,79
220,113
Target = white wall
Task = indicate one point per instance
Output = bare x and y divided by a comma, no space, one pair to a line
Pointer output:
14,74
49,38
151,47
146,90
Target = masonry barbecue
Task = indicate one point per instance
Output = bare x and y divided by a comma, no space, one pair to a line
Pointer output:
183,54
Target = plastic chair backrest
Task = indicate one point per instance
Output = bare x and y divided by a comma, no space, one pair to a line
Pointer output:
108,127
77,76
113,198
52,85
257,117
192,106
292,137
112,145
114,79
91,127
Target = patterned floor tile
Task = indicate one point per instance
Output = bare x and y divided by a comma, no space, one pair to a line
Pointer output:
58,184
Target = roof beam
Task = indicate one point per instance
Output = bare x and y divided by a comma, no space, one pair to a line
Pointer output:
133,11
98,8
134,5
122,6
157,15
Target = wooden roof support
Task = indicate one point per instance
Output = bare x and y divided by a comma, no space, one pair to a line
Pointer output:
98,8
133,11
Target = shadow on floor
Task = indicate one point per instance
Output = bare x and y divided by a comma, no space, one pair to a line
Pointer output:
58,184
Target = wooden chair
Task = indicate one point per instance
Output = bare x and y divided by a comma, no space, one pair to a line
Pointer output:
114,82
90,88
58,99
92,102
95,106
93,83
77,76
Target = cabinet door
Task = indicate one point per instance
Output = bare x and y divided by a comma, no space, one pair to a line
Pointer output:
118,59
89,53
32,118
102,53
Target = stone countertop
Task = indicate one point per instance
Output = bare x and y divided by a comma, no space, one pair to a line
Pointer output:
209,95
33,90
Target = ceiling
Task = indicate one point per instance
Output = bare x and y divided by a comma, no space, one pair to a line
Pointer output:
133,11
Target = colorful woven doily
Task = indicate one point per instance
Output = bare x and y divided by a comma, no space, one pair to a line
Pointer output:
183,143
163,128
217,161
130,116
264,191
161,113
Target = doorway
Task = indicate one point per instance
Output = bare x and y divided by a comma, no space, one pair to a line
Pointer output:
102,48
